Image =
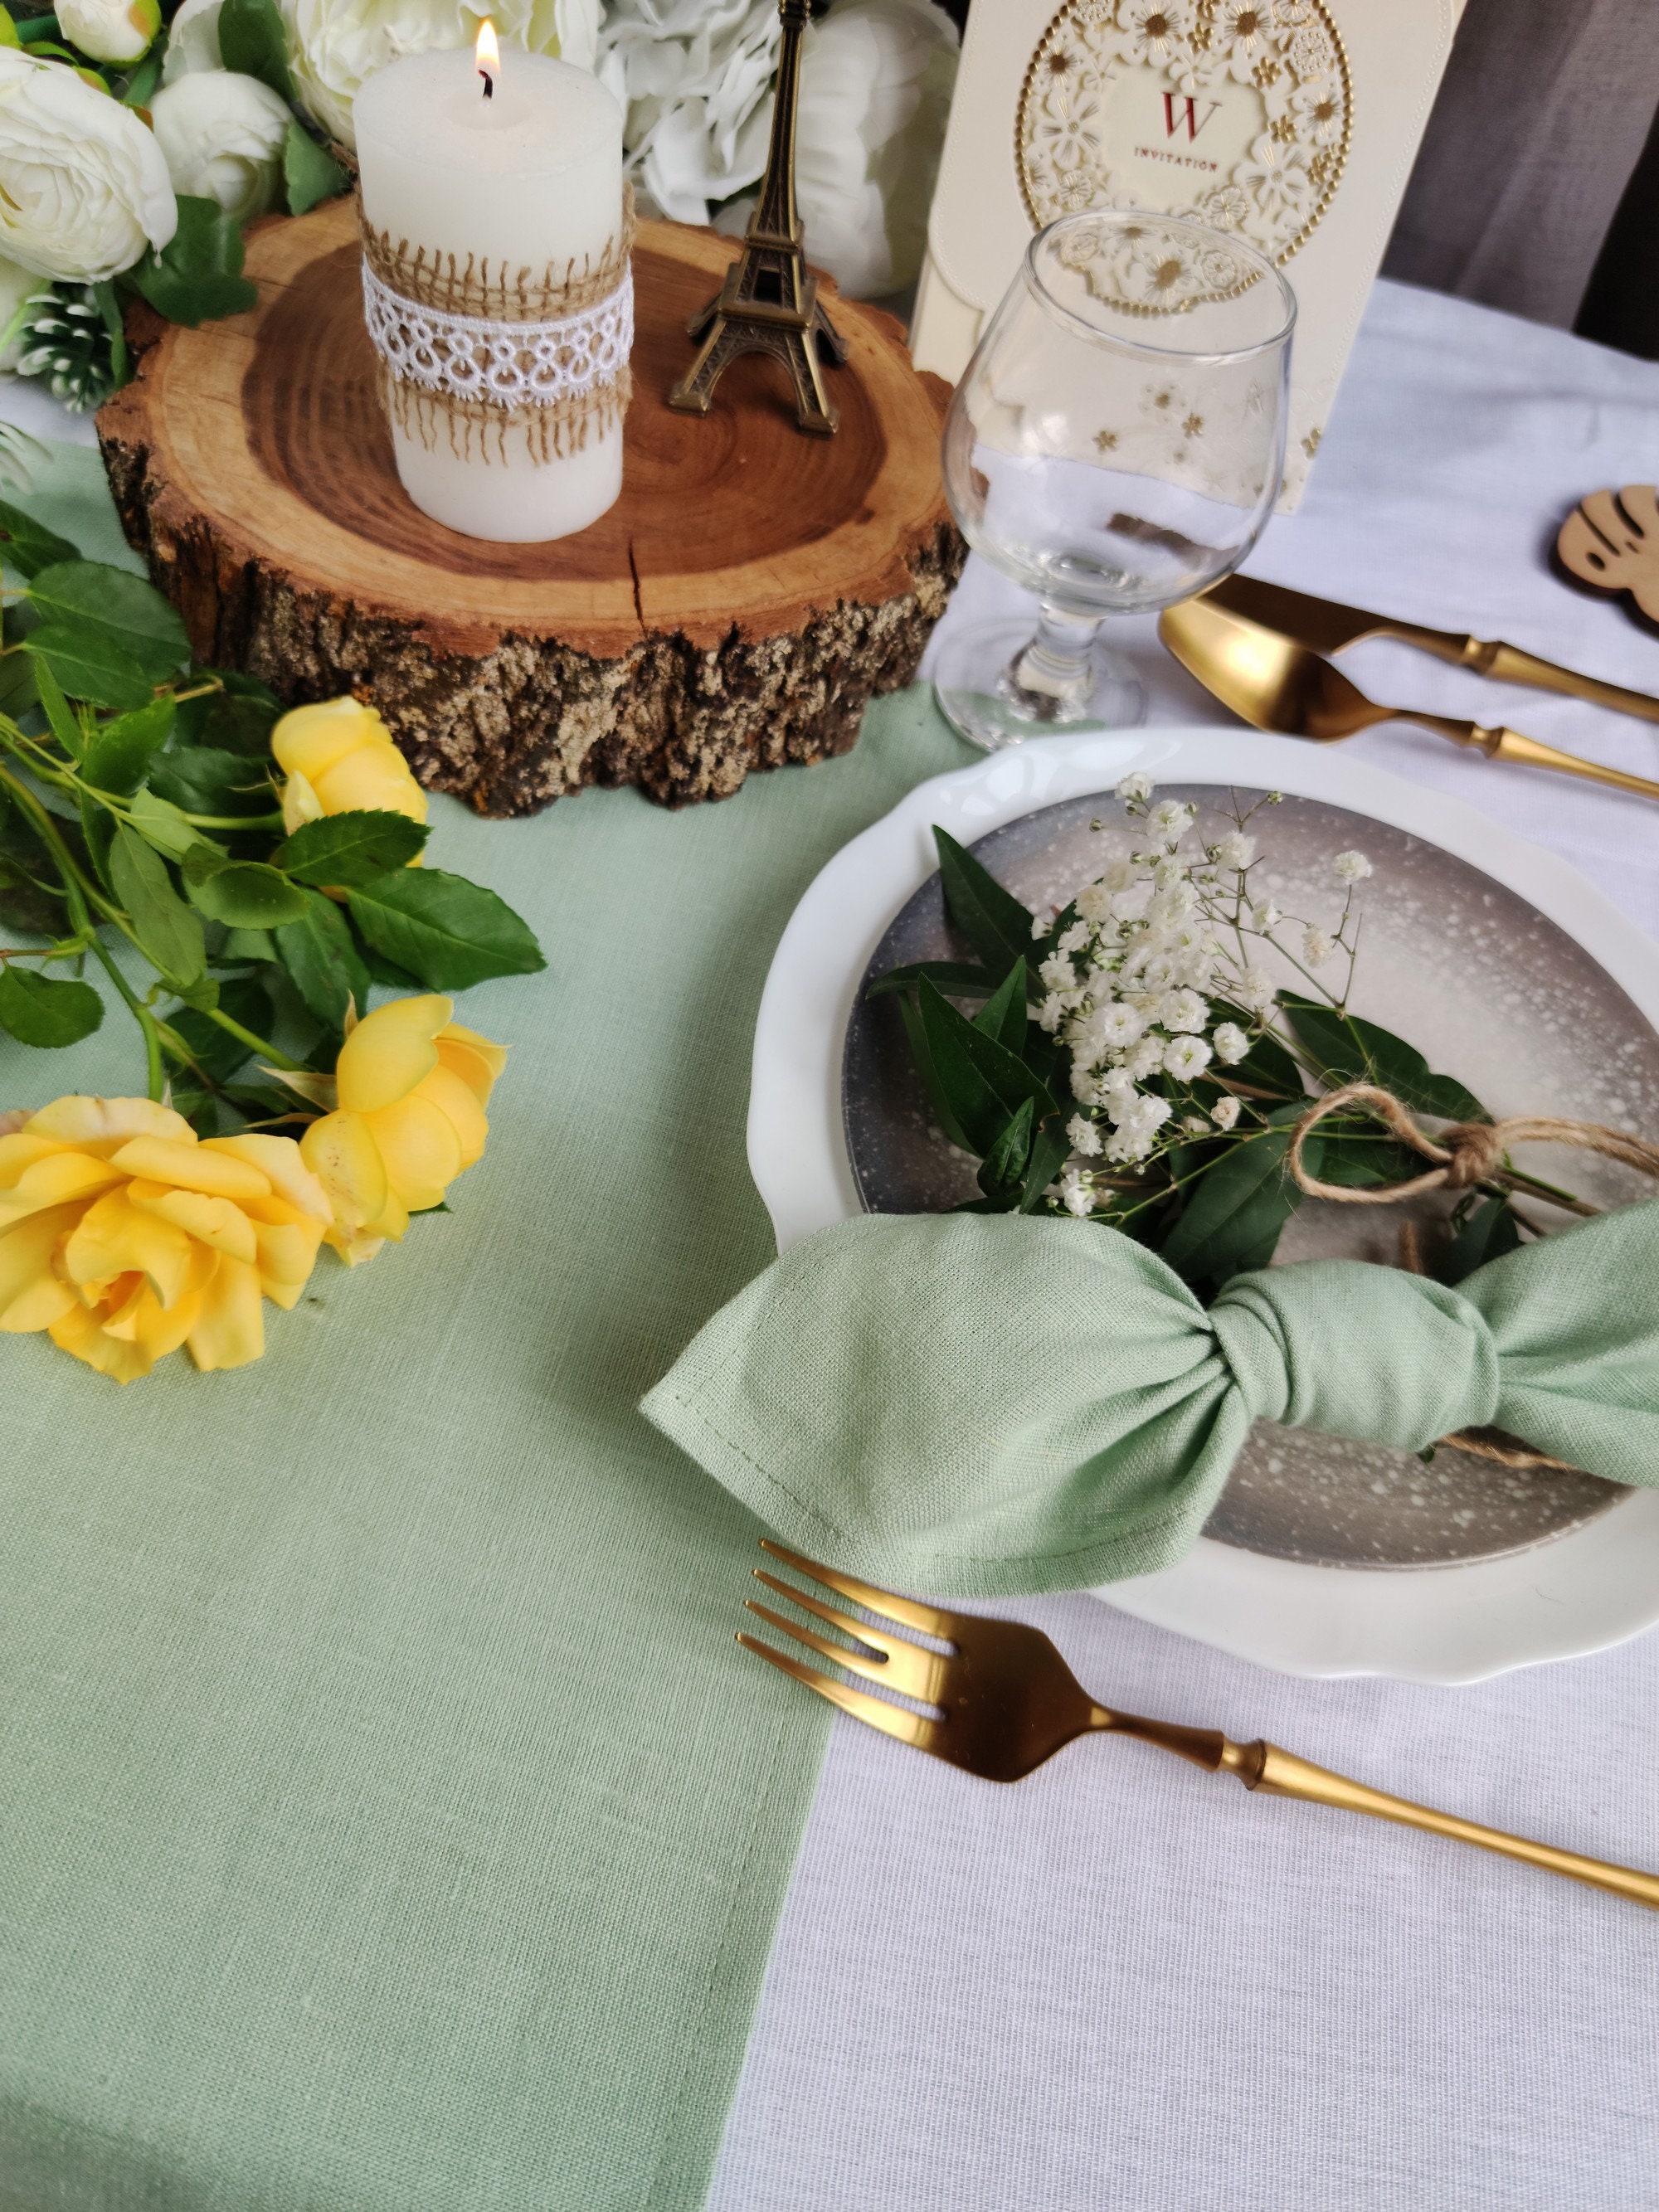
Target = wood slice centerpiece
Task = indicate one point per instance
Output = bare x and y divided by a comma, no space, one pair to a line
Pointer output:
737,608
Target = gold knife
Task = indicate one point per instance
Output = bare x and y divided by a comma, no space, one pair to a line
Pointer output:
1323,626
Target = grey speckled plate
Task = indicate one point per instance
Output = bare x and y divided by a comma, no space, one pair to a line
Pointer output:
1474,977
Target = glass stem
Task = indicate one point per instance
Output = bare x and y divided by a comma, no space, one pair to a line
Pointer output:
1052,678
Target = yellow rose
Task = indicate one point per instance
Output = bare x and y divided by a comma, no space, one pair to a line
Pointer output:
125,1236
340,757
413,1086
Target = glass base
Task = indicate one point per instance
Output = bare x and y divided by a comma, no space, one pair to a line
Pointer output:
979,694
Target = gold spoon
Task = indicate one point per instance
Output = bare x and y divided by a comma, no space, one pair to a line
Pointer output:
1274,684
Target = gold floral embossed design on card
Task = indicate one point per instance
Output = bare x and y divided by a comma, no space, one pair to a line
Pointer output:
1235,112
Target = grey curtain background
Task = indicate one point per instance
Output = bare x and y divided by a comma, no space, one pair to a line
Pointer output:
1533,163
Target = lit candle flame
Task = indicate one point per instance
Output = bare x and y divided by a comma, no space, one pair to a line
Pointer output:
488,56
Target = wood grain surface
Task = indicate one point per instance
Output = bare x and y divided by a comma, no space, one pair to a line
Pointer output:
737,607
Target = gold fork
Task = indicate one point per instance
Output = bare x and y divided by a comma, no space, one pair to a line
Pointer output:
1005,1700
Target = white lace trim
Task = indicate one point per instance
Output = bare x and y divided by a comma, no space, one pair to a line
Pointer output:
503,364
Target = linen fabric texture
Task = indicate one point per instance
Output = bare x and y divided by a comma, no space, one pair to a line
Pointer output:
1006,1405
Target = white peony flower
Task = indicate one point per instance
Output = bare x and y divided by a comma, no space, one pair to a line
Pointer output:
1230,1044
332,47
110,30
192,40
83,187
1225,1113
1350,867
221,135
875,90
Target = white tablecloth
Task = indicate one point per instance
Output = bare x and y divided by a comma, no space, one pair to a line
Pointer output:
1126,1984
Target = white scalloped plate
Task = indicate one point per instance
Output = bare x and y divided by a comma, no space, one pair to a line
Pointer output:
1591,1586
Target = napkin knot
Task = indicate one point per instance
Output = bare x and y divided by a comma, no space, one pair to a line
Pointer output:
1357,1351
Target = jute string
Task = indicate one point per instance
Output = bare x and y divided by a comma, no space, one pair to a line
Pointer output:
1464,1155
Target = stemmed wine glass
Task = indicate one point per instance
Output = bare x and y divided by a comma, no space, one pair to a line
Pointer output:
1116,445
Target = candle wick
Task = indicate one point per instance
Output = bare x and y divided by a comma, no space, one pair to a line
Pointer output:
490,86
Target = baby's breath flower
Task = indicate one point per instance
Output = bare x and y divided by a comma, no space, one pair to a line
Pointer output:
1225,1113
1255,988
1085,1136
1186,1058
1235,850
1231,1045
1039,929
1135,790
1350,867
1114,1025
1058,973
1317,946
1264,917
1183,1010
1077,1193
1051,1012
1094,903
1146,1057
1170,820
1196,1125
1076,936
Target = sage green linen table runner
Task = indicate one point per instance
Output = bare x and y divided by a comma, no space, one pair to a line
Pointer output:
387,1818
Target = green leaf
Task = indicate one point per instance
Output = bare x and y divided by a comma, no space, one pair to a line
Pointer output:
25,905
252,41
131,614
203,780
238,720
98,828
116,755
310,173
1003,1016
1048,1155
29,545
40,1011
141,85
1232,1218
954,977
319,953
213,1050
242,894
247,944
161,824
449,933
351,850
199,275
982,1080
1345,1049
922,1055
19,685
1489,1231
168,933
1004,1165
89,665
992,920
60,715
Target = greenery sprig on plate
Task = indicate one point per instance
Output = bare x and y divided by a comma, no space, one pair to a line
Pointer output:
143,833
1132,1062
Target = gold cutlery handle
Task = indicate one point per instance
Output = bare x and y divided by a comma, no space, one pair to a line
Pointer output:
1282,1774
1509,746
1512,663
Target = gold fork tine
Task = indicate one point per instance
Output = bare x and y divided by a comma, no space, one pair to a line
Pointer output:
893,1720
928,1617
913,1672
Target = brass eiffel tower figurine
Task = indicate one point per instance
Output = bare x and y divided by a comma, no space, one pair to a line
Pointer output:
769,301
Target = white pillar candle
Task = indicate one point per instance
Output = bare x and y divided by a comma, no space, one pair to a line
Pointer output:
501,209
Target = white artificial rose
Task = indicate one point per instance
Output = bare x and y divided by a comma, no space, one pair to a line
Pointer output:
875,90
83,188
192,40
332,47
110,30
221,135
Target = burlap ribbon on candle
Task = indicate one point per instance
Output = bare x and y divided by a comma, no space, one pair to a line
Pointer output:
472,352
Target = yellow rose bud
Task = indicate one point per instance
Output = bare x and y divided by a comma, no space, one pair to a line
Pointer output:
413,1086
340,757
125,1236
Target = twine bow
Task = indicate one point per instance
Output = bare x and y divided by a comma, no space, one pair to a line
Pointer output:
1466,1153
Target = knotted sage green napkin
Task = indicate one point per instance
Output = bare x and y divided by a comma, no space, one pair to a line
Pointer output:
992,1405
